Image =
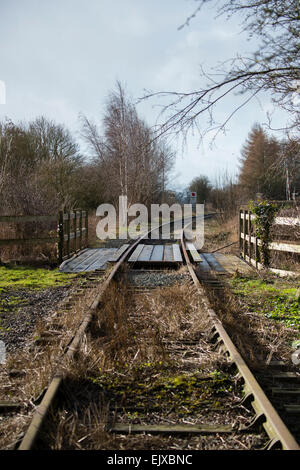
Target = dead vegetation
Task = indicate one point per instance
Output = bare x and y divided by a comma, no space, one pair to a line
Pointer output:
221,234
41,253
258,338
132,328
139,364
147,360
27,372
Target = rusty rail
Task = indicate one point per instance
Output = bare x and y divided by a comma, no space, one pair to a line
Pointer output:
273,425
30,436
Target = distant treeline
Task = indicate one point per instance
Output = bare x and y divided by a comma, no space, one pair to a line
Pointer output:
268,167
43,170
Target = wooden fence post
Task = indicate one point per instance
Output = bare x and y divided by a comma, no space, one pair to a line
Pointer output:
80,230
249,235
75,231
60,236
86,228
256,250
244,234
239,231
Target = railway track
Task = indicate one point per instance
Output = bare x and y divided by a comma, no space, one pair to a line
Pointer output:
179,400
265,413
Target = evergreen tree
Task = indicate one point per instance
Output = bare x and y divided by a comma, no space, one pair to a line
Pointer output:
261,169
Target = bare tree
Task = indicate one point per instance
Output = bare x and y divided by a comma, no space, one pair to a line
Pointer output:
289,163
38,161
225,194
273,68
5,149
58,159
132,162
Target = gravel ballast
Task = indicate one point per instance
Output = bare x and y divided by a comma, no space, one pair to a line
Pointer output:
22,309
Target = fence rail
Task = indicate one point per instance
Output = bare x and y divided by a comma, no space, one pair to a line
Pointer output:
71,234
250,244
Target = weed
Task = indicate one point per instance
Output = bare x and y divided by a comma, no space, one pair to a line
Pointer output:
274,298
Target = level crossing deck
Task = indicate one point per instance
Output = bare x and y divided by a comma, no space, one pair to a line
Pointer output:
93,259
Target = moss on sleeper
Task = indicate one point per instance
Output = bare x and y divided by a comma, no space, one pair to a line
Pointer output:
185,393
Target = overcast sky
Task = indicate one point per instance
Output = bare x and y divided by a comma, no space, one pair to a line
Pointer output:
59,58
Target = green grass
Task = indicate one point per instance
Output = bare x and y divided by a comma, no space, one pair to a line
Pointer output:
274,298
283,309
10,302
20,277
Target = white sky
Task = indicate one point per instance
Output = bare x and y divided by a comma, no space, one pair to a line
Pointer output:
59,58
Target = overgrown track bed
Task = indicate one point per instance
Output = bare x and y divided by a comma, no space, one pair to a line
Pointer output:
266,415
33,357
147,377
155,369
266,340
150,376
25,386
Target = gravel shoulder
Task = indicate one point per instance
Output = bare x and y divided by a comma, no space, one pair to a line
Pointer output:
22,309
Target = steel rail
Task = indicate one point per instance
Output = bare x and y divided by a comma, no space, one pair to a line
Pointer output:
40,413
274,426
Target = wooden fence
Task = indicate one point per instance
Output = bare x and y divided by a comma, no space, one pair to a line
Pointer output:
250,244
22,219
70,232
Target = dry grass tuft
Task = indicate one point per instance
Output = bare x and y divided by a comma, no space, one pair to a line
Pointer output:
27,373
132,345
219,233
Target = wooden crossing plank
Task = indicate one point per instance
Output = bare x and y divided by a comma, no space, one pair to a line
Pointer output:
168,253
157,253
89,260
81,257
171,429
204,266
196,256
119,253
81,262
214,263
232,263
146,253
134,257
177,253
194,253
190,246
102,259
86,262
